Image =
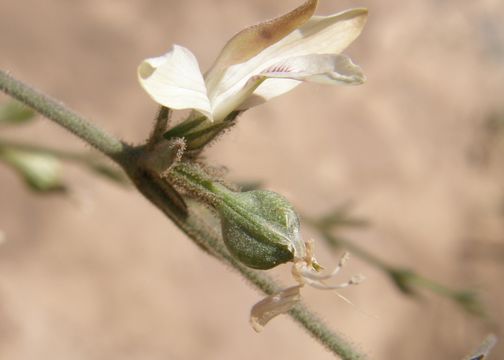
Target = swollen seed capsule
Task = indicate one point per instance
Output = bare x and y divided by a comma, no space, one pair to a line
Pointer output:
260,228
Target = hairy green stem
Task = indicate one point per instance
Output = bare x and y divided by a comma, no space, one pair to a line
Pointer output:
206,237
57,112
191,223
160,124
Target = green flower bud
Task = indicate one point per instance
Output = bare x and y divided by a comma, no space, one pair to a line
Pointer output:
260,228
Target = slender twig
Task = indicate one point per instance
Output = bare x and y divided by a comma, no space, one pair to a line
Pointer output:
62,154
57,112
95,163
160,125
205,236
200,231
406,280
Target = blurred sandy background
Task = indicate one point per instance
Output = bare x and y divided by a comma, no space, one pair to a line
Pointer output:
106,276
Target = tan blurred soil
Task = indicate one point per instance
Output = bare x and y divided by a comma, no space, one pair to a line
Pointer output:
104,275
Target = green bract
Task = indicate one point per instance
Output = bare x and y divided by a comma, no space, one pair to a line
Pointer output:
260,228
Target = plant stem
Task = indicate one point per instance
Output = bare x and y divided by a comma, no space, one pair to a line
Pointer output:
207,238
200,231
160,125
62,154
404,279
61,115
322,333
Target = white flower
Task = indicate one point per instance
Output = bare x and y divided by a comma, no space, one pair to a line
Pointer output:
258,63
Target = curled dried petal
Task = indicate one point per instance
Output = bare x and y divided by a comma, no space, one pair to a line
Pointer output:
274,305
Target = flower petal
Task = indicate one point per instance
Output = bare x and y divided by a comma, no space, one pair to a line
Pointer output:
274,305
252,40
175,81
323,69
319,35
332,69
268,89
224,106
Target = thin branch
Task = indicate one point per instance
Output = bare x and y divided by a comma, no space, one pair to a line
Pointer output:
62,154
57,112
194,226
404,279
160,125
92,162
205,236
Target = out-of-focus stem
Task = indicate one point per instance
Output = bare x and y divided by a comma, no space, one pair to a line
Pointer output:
406,280
57,112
